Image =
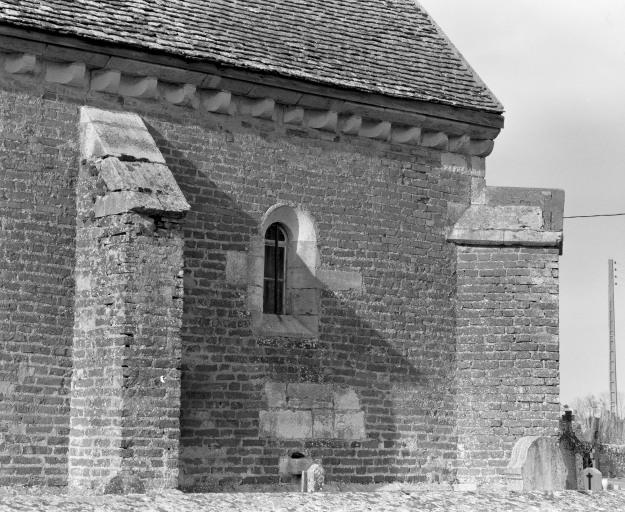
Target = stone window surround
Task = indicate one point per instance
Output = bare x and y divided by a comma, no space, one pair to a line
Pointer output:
302,295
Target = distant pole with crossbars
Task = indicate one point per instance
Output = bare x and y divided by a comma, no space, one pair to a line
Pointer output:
613,390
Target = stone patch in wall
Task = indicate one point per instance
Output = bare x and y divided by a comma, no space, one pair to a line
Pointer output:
340,280
236,267
311,411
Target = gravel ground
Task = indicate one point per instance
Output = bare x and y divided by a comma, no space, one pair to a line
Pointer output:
12,499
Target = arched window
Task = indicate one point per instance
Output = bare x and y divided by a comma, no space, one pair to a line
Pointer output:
274,279
284,295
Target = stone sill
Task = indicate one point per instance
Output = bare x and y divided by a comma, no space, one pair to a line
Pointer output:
292,326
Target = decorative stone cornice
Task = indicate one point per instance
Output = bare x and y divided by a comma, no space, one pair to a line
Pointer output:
226,96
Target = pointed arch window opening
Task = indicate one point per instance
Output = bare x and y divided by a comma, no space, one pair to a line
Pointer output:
274,281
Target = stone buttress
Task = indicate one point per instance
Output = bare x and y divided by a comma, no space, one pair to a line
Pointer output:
507,377
125,392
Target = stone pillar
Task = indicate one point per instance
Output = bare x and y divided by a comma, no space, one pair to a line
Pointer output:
125,394
507,375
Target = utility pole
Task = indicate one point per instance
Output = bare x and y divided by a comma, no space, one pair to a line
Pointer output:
613,390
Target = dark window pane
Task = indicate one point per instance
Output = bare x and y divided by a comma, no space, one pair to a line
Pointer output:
268,297
270,261
271,232
281,254
275,259
280,305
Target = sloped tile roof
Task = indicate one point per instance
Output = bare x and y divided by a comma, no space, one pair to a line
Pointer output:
390,47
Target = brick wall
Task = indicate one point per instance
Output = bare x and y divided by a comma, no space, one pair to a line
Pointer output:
507,352
381,213
38,158
378,211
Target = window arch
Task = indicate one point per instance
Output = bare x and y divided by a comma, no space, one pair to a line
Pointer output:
274,277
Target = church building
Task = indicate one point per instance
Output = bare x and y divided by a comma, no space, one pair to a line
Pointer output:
237,237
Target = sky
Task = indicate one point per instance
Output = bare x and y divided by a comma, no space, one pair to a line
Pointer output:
558,67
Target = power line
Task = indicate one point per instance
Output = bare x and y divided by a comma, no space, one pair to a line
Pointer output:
595,215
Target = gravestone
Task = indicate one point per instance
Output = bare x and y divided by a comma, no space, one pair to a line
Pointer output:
536,464
592,479
313,478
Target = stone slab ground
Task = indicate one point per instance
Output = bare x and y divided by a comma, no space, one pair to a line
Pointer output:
14,499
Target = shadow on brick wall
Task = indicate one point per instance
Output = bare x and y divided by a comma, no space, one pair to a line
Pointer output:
364,351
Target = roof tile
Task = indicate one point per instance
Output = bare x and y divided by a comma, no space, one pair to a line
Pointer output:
390,47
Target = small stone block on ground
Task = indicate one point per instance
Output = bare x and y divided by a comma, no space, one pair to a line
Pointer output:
313,478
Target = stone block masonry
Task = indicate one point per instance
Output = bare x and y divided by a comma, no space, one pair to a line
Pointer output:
311,411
